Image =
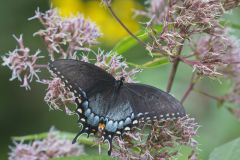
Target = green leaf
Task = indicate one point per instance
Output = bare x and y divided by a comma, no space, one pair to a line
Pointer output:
230,24
39,136
129,42
157,62
64,135
235,26
31,137
228,151
85,157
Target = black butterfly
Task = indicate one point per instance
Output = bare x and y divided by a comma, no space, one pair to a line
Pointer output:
111,106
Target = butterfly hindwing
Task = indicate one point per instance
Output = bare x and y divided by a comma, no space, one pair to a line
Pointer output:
152,103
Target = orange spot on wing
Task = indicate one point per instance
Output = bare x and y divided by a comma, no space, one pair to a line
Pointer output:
101,126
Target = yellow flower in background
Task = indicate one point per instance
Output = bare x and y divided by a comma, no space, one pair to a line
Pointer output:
68,7
93,9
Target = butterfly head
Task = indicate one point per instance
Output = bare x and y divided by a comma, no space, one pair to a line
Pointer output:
119,82
122,79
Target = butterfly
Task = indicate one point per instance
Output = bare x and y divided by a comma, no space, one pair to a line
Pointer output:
112,106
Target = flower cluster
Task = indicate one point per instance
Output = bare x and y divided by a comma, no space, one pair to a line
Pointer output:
57,95
61,35
181,20
233,72
189,12
215,54
115,65
234,95
157,10
51,147
66,36
22,63
197,15
230,4
159,140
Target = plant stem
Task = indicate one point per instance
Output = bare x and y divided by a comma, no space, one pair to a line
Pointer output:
41,66
193,81
174,69
123,25
208,95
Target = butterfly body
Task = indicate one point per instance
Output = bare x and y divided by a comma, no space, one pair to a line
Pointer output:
112,106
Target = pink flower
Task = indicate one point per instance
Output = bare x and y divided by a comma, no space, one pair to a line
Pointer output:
57,95
230,4
115,65
50,147
216,55
157,140
22,64
181,20
234,95
157,10
73,33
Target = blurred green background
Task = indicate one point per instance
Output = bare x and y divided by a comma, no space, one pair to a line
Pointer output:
24,112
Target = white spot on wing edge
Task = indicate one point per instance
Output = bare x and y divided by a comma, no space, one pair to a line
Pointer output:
135,121
127,128
79,110
83,119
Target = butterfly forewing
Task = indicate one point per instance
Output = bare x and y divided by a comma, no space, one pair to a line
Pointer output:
78,74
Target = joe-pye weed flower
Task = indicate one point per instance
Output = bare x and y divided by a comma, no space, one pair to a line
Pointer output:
50,147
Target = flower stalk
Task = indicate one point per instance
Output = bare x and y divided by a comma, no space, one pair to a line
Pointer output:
193,81
122,24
